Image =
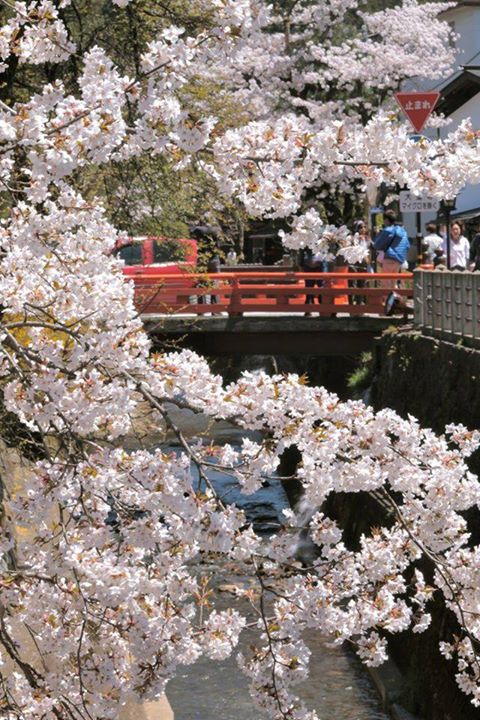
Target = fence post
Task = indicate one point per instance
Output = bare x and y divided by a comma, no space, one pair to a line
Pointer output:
418,297
437,280
458,306
429,295
446,303
466,327
475,333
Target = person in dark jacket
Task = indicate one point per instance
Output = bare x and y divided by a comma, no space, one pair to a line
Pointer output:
475,253
393,242
314,264
213,266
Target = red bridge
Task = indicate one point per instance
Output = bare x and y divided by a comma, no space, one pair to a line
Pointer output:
272,293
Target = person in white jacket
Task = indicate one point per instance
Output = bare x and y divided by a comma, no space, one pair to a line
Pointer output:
459,248
231,258
431,243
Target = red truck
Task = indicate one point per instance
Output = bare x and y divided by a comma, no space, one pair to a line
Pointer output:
148,260
157,255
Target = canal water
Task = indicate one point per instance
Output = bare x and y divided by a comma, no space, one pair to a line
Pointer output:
338,687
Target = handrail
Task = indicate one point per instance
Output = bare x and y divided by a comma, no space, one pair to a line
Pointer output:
277,275
271,293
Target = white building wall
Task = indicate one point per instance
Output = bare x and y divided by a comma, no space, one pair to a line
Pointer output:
469,197
466,23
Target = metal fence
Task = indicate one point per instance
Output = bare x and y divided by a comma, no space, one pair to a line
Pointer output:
447,304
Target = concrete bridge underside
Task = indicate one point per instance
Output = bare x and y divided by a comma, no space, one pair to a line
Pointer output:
269,335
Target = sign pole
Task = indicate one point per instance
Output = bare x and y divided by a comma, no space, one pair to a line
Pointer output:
418,218
447,213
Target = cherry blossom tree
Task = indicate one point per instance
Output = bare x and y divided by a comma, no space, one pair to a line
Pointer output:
100,601
336,61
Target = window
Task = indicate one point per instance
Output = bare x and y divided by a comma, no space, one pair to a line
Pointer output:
168,250
131,254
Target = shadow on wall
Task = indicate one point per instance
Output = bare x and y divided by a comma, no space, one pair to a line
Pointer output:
331,372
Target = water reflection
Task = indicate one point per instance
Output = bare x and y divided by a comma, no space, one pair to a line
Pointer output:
338,686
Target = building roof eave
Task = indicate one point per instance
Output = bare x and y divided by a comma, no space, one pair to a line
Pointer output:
465,3
466,215
459,89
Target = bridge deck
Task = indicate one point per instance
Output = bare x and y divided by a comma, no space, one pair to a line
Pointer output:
270,334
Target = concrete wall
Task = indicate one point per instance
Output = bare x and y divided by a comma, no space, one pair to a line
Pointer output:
466,23
469,197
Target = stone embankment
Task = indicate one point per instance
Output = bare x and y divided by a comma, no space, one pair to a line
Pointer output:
438,383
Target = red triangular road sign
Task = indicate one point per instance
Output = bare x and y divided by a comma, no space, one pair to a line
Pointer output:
417,106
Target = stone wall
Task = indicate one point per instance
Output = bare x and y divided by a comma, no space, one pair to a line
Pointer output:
437,382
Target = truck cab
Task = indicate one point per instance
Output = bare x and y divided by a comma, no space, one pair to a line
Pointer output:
157,255
150,262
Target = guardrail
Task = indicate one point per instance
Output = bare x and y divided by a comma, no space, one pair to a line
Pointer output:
257,292
447,304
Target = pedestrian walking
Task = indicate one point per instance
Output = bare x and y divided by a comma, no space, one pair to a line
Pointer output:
361,233
312,263
431,243
392,246
231,258
475,252
214,267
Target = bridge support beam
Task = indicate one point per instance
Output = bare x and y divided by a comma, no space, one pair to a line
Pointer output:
271,335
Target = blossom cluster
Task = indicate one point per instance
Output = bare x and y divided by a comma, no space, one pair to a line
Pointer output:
326,241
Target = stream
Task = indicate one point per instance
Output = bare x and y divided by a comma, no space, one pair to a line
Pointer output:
338,687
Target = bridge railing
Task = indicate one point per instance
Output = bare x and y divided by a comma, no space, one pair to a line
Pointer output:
447,304
257,292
